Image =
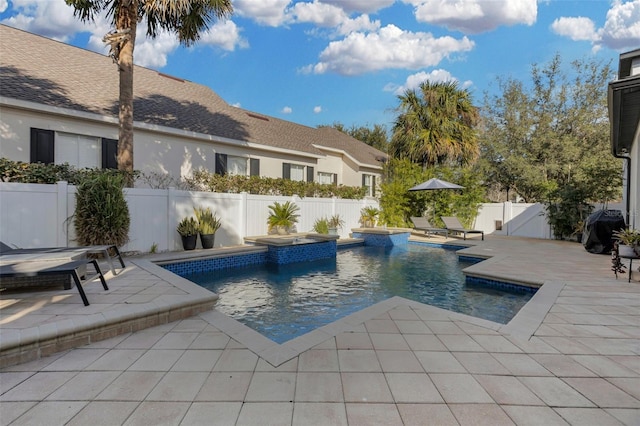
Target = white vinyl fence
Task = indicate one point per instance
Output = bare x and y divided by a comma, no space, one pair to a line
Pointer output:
33,215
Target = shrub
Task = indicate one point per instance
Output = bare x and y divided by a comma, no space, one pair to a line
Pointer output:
102,214
321,226
208,222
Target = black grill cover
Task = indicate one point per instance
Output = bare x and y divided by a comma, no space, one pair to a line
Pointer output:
599,228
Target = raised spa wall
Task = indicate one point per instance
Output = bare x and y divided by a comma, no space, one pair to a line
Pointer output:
382,237
282,251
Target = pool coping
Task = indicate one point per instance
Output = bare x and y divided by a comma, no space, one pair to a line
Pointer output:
522,325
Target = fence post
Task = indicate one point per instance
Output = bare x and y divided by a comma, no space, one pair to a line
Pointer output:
243,225
507,215
171,218
62,236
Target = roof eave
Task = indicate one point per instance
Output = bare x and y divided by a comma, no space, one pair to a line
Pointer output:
624,111
66,112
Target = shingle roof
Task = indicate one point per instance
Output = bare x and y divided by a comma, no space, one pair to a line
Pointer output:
37,69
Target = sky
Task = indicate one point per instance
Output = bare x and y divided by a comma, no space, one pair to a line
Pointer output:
346,61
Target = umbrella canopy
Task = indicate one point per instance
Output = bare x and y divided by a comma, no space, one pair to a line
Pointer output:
434,183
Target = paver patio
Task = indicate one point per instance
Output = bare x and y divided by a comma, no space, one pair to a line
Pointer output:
572,355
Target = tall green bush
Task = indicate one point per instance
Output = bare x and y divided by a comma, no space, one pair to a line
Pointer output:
399,204
102,213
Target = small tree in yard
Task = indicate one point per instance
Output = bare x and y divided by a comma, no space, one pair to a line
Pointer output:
185,18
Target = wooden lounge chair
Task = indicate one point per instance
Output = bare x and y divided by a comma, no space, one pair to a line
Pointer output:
453,225
422,224
104,250
49,268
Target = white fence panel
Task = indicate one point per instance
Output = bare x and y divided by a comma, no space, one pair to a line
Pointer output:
517,219
149,219
312,209
30,216
33,215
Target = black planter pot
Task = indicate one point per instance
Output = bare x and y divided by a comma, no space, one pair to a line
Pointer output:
189,242
207,240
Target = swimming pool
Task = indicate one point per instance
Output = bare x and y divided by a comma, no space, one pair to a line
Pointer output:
287,301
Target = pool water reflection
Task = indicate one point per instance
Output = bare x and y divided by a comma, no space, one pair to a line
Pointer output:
286,301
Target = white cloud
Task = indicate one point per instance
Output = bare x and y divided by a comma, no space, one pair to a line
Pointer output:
237,105
414,81
390,47
329,16
224,34
317,109
153,52
577,29
266,12
475,16
53,19
363,6
287,110
3,5
621,29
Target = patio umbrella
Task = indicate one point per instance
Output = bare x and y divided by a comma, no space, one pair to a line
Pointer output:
434,184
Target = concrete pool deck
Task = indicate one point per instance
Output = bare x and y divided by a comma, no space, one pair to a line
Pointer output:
571,356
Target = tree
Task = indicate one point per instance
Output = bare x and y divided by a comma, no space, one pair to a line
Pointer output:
185,18
375,137
436,125
399,204
550,134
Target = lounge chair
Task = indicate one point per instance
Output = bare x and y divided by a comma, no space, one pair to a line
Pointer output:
422,224
48,268
453,225
105,250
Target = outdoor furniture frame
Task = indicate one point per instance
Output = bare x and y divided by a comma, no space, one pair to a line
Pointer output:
631,258
49,268
453,225
105,250
422,224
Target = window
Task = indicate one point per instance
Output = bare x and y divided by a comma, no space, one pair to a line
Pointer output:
369,182
234,165
79,151
325,178
295,172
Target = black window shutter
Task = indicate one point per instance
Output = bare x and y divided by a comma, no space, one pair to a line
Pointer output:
254,167
42,146
373,186
109,153
221,164
364,182
335,179
286,171
309,174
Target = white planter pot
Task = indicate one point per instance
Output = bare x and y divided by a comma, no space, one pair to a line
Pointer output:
626,251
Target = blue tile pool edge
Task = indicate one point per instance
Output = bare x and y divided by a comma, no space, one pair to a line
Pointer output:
199,265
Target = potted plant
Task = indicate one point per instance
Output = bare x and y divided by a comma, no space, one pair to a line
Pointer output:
282,217
208,224
368,216
188,230
321,226
629,242
335,222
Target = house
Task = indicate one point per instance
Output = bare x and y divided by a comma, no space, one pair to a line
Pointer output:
624,117
59,103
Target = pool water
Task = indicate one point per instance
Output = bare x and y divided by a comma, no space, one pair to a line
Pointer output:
283,302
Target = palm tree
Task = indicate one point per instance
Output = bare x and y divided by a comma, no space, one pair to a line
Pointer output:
436,125
185,18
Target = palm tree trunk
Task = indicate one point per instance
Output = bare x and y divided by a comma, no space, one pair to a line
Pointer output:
127,18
